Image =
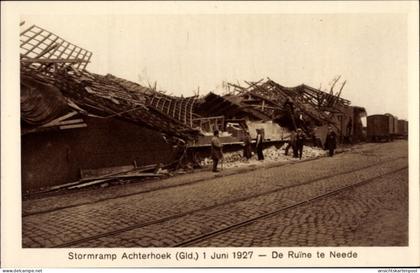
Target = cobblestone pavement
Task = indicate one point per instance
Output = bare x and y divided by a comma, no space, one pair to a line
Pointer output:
374,214
89,196
196,208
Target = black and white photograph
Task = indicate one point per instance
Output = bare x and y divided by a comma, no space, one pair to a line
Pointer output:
214,130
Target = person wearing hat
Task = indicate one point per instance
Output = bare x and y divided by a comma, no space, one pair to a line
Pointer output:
259,144
331,141
216,150
300,139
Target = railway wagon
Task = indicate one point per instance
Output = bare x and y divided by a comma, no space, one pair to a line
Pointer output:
403,128
396,131
393,124
380,127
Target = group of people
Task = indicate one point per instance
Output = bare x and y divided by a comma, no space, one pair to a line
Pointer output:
217,153
297,139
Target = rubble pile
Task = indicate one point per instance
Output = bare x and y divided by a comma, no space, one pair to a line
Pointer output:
271,154
277,154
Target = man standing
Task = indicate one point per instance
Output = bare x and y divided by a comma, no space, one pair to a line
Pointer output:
247,146
259,144
216,150
331,141
291,143
300,138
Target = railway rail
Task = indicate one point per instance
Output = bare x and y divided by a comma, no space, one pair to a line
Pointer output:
216,233
236,200
44,211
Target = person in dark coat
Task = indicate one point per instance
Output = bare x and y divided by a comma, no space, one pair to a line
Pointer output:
291,143
216,150
300,139
247,146
259,144
331,141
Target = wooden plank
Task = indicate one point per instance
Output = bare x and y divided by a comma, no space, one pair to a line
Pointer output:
135,175
180,110
109,178
63,51
83,57
88,59
174,102
71,121
65,127
190,122
104,172
37,60
32,37
37,44
208,118
89,183
63,185
52,46
51,53
89,174
57,120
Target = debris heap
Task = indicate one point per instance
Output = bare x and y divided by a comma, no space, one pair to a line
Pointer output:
271,154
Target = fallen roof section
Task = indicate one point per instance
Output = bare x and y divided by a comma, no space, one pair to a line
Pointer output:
44,51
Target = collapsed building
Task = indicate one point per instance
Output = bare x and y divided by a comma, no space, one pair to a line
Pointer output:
74,121
278,110
78,126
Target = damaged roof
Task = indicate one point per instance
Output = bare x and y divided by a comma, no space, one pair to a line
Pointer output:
49,61
266,99
44,51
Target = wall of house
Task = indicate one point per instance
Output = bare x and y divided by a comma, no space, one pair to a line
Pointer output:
56,157
342,121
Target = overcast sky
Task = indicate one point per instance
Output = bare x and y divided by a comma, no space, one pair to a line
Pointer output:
184,52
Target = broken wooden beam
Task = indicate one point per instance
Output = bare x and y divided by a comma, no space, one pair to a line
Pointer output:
40,60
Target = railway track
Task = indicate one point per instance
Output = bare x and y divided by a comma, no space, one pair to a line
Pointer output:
236,200
224,230
183,185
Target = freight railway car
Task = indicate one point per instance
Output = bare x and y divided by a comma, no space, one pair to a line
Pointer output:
402,128
380,127
393,124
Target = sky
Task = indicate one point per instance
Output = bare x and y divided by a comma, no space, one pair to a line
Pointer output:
185,52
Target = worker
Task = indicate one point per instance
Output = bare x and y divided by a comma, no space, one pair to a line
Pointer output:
291,143
216,150
247,146
300,139
331,141
259,144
